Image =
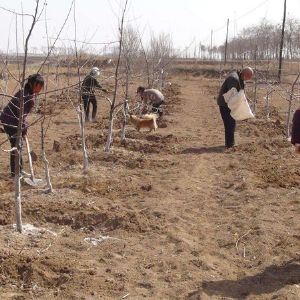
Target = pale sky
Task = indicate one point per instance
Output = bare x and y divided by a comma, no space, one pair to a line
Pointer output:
185,20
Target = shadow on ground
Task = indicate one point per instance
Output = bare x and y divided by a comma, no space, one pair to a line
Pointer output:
272,279
202,150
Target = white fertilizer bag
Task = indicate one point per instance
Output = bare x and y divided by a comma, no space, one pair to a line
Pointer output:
238,104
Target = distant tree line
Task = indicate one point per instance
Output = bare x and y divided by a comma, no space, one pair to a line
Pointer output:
261,41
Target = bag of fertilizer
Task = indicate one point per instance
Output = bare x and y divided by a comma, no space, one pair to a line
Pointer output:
238,104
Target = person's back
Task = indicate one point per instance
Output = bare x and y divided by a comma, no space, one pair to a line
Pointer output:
153,97
10,113
232,80
89,84
295,138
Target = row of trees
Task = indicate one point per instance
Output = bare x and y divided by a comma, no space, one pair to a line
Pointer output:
264,40
261,40
130,58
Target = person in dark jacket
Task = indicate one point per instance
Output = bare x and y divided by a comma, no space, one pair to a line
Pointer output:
295,139
89,84
235,79
9,117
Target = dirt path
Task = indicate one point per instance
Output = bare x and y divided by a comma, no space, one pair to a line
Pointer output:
190,221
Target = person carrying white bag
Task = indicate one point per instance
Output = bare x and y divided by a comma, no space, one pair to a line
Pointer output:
236,109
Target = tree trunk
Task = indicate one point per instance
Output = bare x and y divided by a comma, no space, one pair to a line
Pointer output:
281,42
110,131
80,112
46,163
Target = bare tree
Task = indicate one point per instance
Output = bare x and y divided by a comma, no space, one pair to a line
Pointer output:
130,53
113,102
160,52
43,131
281,42
80,109
19,129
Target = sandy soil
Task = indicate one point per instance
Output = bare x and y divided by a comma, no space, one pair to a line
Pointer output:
185,219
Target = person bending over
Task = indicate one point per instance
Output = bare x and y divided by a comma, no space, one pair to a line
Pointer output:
235,79
9,117
151,97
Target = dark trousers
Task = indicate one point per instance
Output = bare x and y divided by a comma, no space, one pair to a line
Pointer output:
157,104
156,108
87,101
12,135
229,125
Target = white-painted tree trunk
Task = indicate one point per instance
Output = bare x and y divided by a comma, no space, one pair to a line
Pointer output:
80,112
110,133
162,79
29,159
123,131
17,170
47,173
46,163
268,105
18,195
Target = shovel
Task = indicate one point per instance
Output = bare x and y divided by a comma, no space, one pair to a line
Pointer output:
35,182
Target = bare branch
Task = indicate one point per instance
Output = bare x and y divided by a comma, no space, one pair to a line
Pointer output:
86,43
16,13
56,39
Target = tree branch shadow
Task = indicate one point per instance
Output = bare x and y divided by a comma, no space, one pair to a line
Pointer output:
202,150
65,122
270,280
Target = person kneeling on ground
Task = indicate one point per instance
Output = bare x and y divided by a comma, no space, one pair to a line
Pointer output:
150,97
10,115
235,79
89,84
295,140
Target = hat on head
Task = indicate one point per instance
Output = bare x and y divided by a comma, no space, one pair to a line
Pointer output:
95,71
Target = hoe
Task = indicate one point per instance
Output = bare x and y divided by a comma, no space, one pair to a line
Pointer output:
35,182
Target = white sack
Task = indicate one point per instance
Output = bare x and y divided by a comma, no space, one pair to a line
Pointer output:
238,104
